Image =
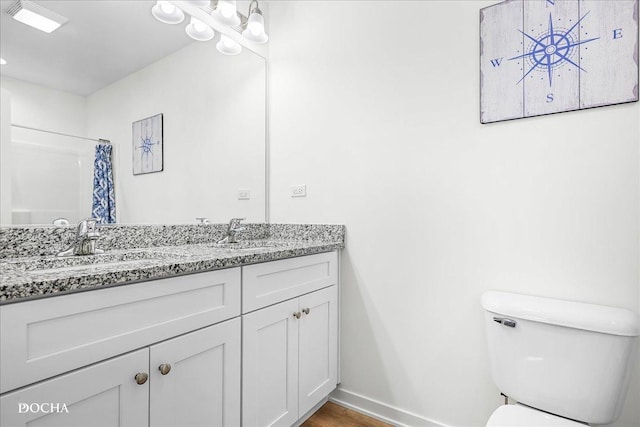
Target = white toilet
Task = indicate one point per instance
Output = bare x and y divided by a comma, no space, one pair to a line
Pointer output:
565,363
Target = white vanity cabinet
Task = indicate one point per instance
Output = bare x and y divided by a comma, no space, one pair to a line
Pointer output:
253,346
290,351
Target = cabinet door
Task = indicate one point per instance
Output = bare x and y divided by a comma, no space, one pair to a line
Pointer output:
202,387
318,347
104,394
270,366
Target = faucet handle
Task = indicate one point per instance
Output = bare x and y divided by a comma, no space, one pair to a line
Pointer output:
60,222
234,224
90,220
87,227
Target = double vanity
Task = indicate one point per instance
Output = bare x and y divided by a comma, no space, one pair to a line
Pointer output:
186,333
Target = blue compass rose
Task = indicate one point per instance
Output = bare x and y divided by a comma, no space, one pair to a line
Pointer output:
552,49
147,145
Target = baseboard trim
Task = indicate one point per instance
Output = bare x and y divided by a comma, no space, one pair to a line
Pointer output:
381,411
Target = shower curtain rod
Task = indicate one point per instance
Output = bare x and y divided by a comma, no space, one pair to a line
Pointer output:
104,141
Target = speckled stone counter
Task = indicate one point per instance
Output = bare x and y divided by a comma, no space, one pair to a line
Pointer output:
168,253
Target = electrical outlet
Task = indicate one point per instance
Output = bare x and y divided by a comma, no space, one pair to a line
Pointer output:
299,190
244,194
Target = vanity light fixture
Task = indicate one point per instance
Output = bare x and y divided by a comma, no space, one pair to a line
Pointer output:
226,13
200,31
167,12
223,13
228,46
3,62
36,16
255,25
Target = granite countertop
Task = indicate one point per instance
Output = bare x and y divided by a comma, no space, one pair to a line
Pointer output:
24,278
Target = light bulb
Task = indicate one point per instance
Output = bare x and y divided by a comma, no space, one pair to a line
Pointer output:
228,46
198,25
255,28
167,7
198,30
226,13
3,62
227,8
166,12
256,24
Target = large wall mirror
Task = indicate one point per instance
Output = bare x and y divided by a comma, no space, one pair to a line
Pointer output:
112,64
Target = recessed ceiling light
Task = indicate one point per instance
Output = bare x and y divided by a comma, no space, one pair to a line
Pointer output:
3,62
36,16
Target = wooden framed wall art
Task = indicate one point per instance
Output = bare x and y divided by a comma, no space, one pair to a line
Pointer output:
147,145
547,56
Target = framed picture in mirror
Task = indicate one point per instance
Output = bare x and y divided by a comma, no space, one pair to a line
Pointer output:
147,145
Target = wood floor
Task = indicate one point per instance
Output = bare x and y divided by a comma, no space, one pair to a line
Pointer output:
332,415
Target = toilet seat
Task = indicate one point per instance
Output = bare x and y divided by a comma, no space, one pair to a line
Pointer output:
523,416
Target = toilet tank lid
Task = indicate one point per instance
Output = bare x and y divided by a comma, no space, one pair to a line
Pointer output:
572,314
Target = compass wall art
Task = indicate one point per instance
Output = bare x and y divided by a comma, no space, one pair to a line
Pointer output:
548,56
147,145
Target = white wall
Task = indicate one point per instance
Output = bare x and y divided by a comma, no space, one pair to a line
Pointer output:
375,107
214,136
45,108
29,155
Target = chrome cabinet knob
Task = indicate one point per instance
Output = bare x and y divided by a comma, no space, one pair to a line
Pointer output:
141,378
165,368
306,310
297,314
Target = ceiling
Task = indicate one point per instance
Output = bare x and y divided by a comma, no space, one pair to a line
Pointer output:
103,42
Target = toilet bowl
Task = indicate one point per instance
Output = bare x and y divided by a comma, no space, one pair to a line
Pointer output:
567,363
523,416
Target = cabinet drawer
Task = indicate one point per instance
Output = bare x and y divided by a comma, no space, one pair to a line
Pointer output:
272,282
46,337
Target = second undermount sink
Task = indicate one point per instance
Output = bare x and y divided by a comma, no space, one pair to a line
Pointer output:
51,264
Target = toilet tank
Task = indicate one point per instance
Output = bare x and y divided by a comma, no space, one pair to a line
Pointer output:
568,358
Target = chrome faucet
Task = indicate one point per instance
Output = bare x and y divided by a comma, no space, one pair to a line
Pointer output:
86,236
232,229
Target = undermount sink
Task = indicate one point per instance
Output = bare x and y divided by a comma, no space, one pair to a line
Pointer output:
90,266
245,245
114,259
